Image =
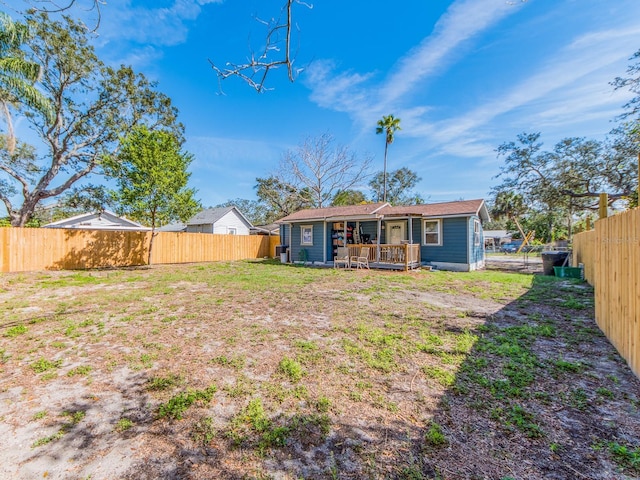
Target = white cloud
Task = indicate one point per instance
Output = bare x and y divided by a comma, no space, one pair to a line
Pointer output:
462,21
160,26
346,91
568,82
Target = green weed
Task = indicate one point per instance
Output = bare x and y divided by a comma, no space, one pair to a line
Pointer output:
434,436
442,376
80,370
180,403
203,431
43,365
124,424
291,369
625,456
15,331
164,383
236,362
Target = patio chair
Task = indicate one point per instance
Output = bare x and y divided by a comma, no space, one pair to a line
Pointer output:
342,257
362,259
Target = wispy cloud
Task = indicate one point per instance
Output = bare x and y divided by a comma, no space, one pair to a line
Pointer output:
346,91
462,21
160,26
566,83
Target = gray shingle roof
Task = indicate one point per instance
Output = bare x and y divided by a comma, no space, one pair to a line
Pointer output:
461,207
209,215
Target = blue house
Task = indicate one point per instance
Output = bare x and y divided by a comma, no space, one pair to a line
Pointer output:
446,235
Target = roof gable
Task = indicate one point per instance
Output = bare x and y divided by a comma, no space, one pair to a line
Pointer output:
99,221
212,215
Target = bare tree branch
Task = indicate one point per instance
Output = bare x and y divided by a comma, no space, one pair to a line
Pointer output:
53,6
255,70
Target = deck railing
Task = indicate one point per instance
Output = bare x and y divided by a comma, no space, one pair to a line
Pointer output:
391,254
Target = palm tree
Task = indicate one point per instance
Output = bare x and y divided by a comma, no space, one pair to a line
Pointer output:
17,75
510,205
388,125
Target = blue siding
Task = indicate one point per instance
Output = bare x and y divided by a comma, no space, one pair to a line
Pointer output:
371,229
314,253
455,241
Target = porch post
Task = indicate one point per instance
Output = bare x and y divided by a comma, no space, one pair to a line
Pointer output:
378,242
410,229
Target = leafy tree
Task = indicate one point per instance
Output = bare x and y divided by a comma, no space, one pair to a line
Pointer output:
567,180
632,82
256,212
93,106
348,197
17,75
399,185
323,169
281,198
509,206
151,173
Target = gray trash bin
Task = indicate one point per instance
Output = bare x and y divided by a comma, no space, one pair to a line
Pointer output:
552,259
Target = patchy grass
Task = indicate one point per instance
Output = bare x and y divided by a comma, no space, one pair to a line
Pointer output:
319,374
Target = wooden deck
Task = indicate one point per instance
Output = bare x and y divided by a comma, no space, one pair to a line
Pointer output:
390,257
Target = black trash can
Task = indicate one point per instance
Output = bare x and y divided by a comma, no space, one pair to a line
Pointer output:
552,259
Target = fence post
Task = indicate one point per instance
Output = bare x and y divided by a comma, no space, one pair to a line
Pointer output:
604,200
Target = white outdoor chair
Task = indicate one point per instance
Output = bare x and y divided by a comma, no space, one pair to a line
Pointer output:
342,258
361,260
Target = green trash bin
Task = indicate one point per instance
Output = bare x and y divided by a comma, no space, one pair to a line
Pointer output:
552,259
568,272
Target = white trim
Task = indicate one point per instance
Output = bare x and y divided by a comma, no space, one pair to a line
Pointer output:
304,243
477,236
424,232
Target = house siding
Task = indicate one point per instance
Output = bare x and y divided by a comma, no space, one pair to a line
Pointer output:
200,228
231,220
315,252
455,240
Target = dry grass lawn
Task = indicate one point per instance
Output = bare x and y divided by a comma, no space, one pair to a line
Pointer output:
261,370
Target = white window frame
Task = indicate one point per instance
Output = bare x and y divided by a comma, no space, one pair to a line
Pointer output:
477,240
438,221
232,230
308,228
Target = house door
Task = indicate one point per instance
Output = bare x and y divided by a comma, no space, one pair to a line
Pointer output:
395,232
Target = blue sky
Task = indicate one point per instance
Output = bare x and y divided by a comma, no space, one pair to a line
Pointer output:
463,77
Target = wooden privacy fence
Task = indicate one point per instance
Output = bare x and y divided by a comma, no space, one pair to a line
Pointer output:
611,257
31,249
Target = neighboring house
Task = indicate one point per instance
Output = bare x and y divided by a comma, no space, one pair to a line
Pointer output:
445,235
493,239
270,229
224,220
97,221
173,227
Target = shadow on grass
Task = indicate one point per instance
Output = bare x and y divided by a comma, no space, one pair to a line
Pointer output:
540,393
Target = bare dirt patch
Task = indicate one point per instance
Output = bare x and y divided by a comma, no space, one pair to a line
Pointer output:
259,370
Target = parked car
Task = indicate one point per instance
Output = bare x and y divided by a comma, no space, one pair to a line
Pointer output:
511,247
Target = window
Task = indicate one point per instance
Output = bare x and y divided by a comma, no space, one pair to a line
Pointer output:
306,235
432,232
476,232
232,231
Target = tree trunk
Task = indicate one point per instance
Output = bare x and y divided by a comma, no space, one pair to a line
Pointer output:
384,173
153,234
